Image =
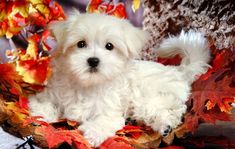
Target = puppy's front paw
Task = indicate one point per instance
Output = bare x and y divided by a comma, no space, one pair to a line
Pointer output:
166,130
94,135
47,110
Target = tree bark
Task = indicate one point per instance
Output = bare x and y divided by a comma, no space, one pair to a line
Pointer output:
215,18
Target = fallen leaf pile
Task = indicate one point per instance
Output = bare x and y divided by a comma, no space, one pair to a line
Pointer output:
16,14
27,73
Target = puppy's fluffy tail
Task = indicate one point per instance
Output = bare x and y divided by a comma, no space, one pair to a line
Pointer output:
193,48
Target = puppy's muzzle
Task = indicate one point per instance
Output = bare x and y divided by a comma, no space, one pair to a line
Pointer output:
93,62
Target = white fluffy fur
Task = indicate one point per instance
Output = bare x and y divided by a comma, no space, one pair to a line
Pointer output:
122,86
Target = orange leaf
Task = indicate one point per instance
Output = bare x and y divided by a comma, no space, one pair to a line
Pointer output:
56,137
99,6
134,131
115,143
93,5
15,15
18,114
34,120
118,11
9,74
213,93
34,71
225,104
32,49
210,104
22,103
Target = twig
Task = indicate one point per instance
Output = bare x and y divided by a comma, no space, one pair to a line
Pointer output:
29,141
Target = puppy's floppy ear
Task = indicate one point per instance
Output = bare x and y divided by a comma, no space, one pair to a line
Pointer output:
60,30
135,39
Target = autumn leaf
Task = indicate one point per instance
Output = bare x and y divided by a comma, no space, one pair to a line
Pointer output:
56,12
30,66
15,15
22,103
133,131
135,5
115,143
56,137
224,104
93,5
139,136
176,60
213,93
9,74
99,6
216,85
34,71
118,11
35,121
18,114
32,49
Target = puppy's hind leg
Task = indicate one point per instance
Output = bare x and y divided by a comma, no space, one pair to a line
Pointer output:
162,113
101,128
167,120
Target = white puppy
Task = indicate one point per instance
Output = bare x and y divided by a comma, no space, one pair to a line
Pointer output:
97,82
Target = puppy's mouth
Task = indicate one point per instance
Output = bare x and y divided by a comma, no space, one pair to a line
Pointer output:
93,70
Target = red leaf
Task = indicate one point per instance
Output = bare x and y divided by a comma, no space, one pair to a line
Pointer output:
134,131
93,5
115,143
109,8
56,137
22,103
34,120
170,61
19,13
37,19
34,71
9,74
118,11
214,92
56,12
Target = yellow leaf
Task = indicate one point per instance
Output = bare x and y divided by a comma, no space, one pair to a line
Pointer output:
135,5
36,1
22,9
209,105
32,49
3,15
43,9
18,114
34,71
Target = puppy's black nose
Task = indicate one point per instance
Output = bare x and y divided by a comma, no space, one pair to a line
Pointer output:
93,61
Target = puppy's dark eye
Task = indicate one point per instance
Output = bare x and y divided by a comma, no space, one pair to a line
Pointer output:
109,46
81,44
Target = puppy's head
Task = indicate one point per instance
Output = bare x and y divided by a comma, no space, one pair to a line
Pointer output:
96,47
